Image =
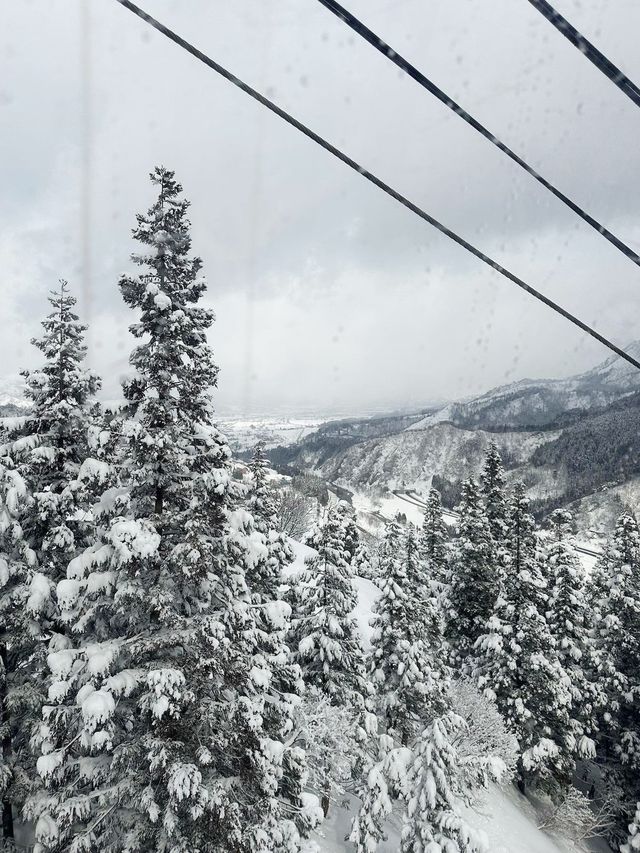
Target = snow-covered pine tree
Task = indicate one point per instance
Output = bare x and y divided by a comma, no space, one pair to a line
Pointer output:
516,662
329,648
351,536
41,529
19,645
377,748
48,447
414,760
492,486
362,564
623,549
434,822
433,539
567,621
494,494
265,579
409,673
154,736
633,842
617,604
357,554
475,578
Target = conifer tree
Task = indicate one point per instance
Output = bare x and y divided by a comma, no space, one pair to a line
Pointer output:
48,447
516,662
357,554
493,492
326,635
329,648
409,674
19,644
623,549
475,580
433,538
362,564
41,529
367,827
413,761
350,534
633,842
618,657
567,602
434,823
523,546
154,738
266,577
567,621
397,712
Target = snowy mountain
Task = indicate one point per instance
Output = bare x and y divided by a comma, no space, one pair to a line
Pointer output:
535,403
12,399
572,441
410,458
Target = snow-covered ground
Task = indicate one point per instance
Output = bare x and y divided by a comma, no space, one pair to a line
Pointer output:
506,817
511,825
243,433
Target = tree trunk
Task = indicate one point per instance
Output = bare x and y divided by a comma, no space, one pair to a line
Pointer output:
325,800
7,821
159,500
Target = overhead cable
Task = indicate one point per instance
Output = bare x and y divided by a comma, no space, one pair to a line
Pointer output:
393,56
602,63
369,176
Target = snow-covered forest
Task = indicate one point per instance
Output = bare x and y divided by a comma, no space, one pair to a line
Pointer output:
177,678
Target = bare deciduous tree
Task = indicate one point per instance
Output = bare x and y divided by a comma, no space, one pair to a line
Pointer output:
577,818
294,511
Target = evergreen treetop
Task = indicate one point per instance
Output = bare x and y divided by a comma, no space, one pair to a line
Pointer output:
475,578
160,734
433,538
493,492
43,460
329,647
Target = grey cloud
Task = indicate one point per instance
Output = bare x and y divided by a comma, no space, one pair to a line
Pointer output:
291,239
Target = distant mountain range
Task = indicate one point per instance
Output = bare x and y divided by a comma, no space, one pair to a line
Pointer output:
538,402
12,399
567,439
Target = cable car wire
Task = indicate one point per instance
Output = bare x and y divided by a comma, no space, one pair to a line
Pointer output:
589,50
369,176
393,56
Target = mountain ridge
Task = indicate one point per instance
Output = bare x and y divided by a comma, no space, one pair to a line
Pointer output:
537,402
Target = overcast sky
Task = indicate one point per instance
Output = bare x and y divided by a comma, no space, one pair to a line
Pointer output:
329,295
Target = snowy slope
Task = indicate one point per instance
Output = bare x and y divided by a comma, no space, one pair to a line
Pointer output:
507,818
409,459
510,824
531,402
